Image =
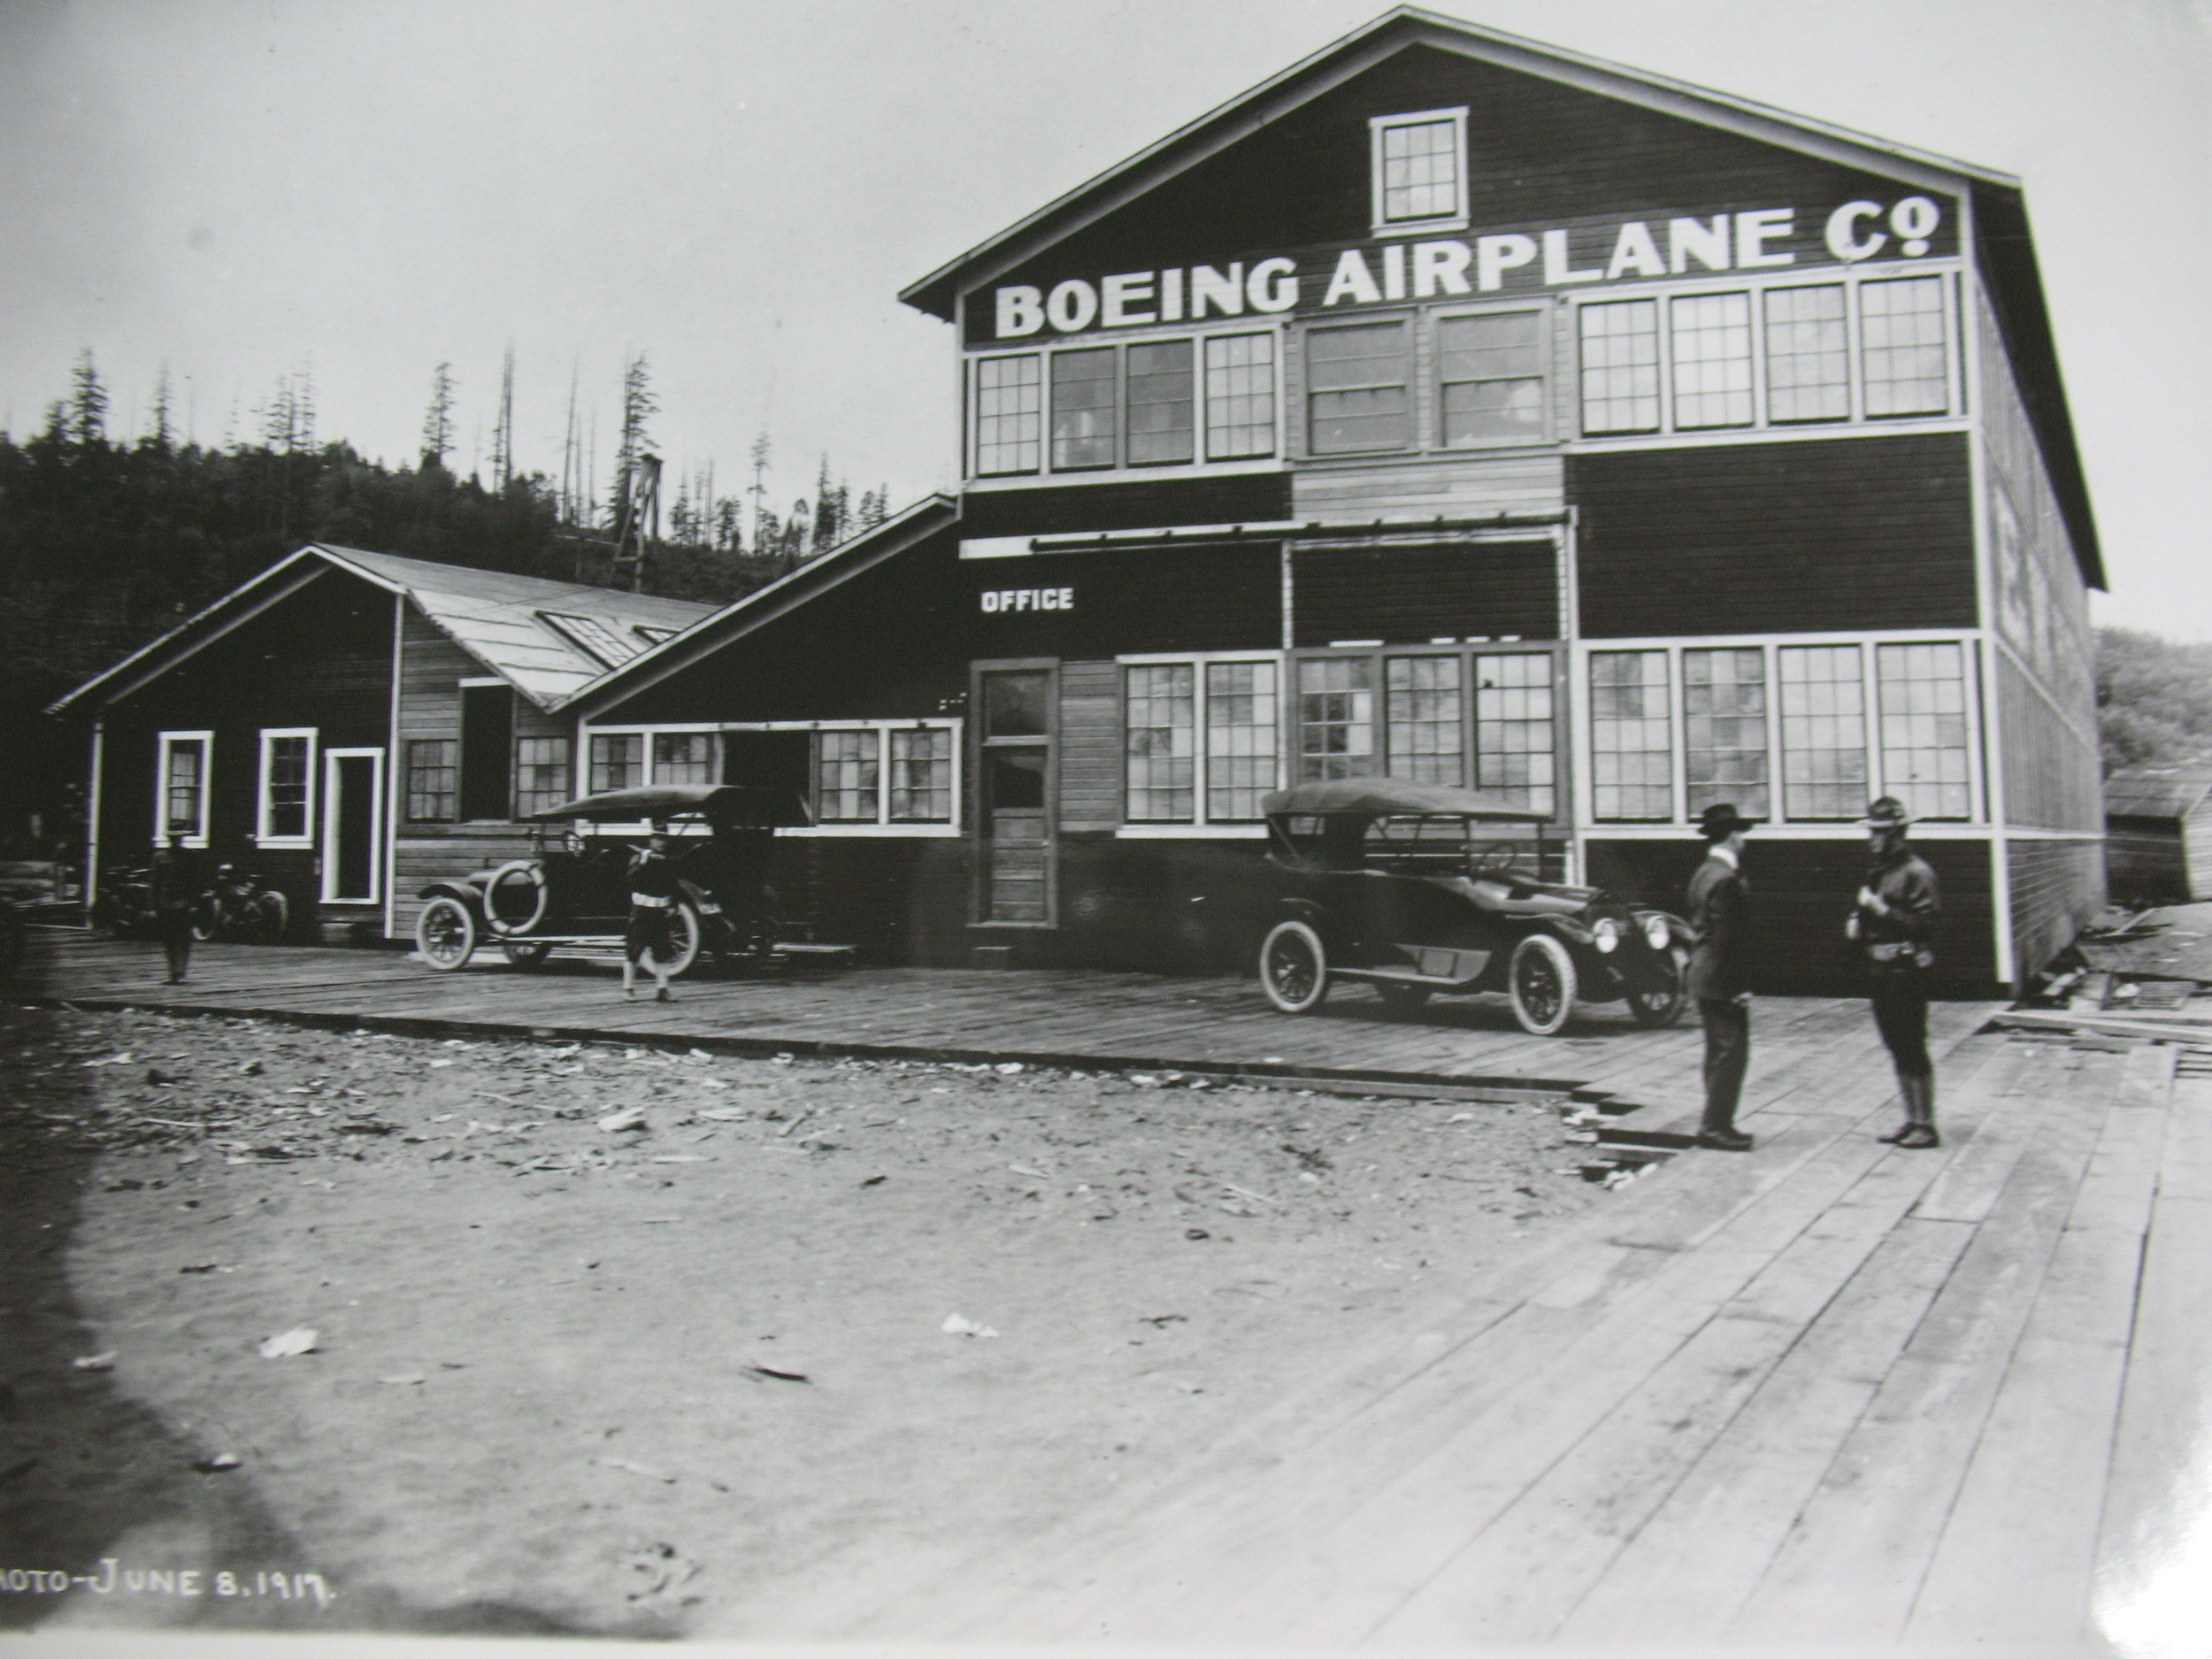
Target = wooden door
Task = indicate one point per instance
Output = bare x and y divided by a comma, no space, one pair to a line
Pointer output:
1015,818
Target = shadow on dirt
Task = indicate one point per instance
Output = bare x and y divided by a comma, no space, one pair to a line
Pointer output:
88,1476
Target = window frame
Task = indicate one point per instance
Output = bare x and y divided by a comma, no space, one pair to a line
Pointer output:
164,743
521,793
1408,322
407,780
1755,289
1435,317
1379,223
1202,824
1980,818
1042,416
263,835
882,825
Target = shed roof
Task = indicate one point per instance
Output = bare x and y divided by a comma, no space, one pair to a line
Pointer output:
546,639
2173,790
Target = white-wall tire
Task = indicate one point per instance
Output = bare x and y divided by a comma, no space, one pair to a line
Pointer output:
1294,968
445,934
530,871
1542,979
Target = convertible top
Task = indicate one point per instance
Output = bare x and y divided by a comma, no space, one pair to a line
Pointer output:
747,805
1391,797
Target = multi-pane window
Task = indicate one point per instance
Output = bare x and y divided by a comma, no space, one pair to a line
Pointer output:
845,777
285,760
434,770
1824,732
1491,375
1161,741
683,757
1922,694
541,773
1809,359
921,774
1083,409
1620,367
1240,396
1421,717
1725,730
1711,338
1160,403
1417,171
1357,381
1241,737
1513,728
1902,346
1336,717
617,761
184,787
1009,414
1631,756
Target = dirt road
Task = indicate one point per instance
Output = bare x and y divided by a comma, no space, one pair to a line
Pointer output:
569,1375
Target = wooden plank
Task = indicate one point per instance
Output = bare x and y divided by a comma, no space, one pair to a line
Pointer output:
1853,1564
2016,1557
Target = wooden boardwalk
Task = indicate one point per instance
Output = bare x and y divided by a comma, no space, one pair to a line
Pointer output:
1825,1391
1044,1017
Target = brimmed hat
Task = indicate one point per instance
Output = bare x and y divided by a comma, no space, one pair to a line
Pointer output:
1887,813
1721,820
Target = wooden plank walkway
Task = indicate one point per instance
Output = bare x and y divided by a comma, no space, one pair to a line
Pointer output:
1044,1017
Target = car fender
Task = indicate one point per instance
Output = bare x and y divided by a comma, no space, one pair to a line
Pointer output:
461,890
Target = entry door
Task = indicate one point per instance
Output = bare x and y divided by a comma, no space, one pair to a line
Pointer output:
1015,817
353,821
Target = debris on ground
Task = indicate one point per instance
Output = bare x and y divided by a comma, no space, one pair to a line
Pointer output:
288,1344
959,1324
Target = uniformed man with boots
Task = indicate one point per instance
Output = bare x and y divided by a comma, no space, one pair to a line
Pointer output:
1719,979
1893,923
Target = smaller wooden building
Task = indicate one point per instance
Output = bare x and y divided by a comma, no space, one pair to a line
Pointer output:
349,723
2158,828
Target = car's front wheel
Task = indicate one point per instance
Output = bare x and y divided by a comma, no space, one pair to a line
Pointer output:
1293,968
685,932
1661,1004
1541,978
445,933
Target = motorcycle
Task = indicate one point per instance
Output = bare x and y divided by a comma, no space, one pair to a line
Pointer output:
124,907
239,906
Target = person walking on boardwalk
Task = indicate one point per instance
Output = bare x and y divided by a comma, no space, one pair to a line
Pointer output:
651,935
1720,903
1893,923
172,888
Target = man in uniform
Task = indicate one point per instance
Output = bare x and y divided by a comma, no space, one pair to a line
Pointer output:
174,886
651,935
1893,923
1719,975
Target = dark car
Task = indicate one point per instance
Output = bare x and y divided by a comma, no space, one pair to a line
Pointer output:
1421,890
574,890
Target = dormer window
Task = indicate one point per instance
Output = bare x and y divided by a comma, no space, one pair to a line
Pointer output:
1419,165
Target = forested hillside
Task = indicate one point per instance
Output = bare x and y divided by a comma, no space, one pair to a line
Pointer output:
106,544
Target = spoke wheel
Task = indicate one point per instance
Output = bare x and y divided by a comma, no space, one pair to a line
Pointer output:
1541,976
445,933
1661,1004
1294,968
207,924
271,915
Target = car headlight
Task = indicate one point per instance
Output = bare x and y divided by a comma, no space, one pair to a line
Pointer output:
1657,933
1606,934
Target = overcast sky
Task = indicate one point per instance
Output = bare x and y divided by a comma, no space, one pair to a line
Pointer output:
364,188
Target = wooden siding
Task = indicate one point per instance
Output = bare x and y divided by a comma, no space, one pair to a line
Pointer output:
2144,862
1543,153
1126,504
1840,534
320,657
2196,839
2058,888
2053,772
1090,745
1430,485
1801,896
1409,595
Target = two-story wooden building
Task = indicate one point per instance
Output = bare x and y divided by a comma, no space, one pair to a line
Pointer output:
1466,409
348,724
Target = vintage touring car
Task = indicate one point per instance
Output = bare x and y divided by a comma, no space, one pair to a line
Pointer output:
573,891
1422,890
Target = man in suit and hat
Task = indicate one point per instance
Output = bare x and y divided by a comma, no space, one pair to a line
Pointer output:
1893,923
1719,914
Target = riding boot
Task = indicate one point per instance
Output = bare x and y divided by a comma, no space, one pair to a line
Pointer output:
1920,1130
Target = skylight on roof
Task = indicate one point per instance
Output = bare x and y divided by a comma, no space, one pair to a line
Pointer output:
591,636
654,637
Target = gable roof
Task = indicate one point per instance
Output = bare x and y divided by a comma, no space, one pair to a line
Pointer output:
2173,790
2002,245
786,594
500,620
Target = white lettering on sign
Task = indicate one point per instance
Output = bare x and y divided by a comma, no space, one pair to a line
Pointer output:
1003,599
1486,264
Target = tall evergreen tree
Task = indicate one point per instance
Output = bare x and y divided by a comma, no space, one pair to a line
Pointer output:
437,421
87,403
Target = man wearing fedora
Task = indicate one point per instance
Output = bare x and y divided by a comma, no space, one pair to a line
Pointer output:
1893,923
1719,907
